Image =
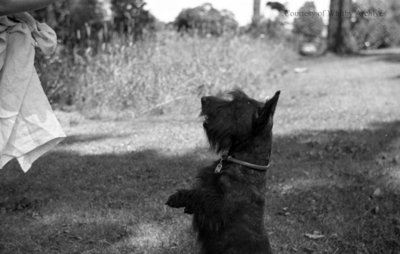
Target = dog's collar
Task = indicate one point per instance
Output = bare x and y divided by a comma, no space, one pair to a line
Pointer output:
229,158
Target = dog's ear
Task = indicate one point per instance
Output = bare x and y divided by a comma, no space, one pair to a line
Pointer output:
265,115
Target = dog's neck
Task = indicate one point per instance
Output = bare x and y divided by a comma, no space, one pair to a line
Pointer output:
254,158
257,151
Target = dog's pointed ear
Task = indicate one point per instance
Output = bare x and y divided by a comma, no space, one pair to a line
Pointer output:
265,115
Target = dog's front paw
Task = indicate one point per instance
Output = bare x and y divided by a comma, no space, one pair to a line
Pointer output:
176,200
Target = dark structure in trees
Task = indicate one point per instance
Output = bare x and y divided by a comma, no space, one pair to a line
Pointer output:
261,26
340,38
278,6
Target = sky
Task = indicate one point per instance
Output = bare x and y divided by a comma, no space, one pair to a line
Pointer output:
167,11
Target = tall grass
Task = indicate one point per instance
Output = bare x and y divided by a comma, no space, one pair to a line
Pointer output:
173,70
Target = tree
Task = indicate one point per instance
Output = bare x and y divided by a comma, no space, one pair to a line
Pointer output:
256,12
205,20
309,24
131,19
340,38
77,23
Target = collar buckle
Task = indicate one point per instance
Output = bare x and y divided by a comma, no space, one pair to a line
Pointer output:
218,168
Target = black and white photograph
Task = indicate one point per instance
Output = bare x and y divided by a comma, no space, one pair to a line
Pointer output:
199,127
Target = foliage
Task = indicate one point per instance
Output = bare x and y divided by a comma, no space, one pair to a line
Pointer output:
272,29
309,24
77,23
205,20
93,23
57,74
131,18
171,69
376,24
83,28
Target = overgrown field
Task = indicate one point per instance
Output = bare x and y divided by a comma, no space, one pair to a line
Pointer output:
334,184
170,70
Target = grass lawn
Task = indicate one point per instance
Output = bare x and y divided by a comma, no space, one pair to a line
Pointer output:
335,172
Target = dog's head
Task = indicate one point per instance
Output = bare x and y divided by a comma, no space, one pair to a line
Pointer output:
229,123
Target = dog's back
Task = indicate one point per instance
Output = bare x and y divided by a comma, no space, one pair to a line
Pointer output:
241,229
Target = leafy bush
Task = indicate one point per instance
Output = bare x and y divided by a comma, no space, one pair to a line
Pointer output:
376,24
271,29
60,73
206,20
308,24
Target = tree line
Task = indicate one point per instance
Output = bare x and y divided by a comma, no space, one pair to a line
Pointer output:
94,23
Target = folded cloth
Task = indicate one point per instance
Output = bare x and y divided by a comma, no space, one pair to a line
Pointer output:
28,126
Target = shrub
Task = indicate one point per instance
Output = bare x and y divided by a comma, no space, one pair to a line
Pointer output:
271,29
206,20
372,30
309,24
59,74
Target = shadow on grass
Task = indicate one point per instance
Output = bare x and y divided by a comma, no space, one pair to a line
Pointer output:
336,183
77,139
391,55
324,181
391,58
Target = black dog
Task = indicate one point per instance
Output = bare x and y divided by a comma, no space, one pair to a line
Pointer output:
228,201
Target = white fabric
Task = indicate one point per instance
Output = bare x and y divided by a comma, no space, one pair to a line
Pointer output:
28,126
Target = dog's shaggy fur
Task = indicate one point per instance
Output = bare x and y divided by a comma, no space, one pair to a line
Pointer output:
228,206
